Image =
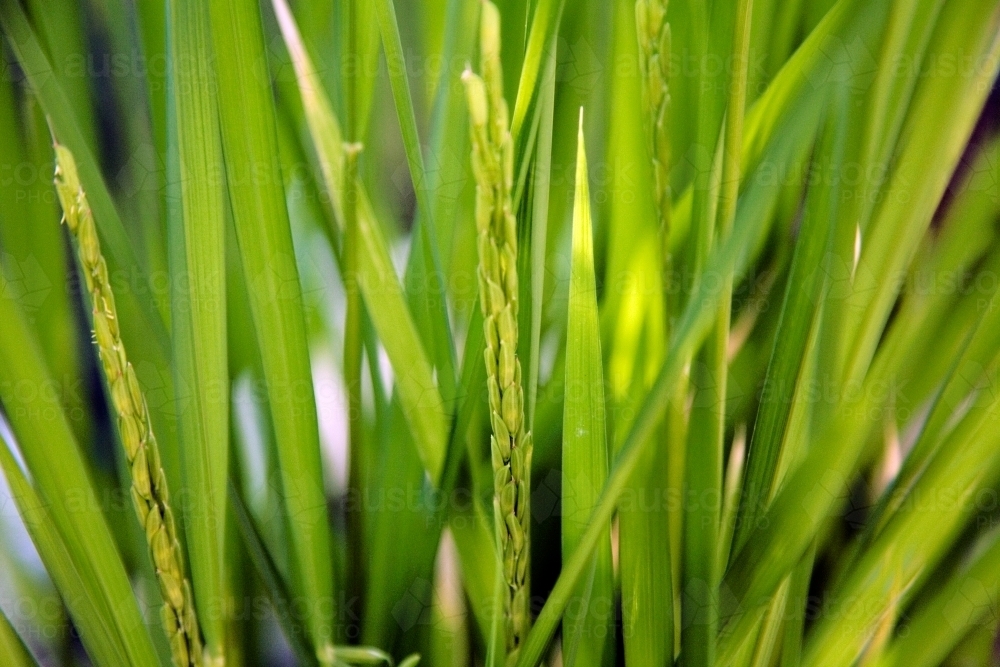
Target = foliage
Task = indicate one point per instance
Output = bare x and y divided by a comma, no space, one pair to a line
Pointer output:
531,333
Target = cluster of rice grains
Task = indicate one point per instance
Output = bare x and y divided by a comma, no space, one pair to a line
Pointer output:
149,485
492,165
654,63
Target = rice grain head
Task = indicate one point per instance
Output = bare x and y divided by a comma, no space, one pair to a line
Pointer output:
149,485
654,63
492,165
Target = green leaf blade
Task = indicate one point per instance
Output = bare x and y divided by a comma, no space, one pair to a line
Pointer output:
256,189
12,648
588,635
963,603
197,251
438,338
65,490
65,125
422,403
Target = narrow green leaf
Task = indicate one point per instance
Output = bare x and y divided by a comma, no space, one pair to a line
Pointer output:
283,602
440,332
704,463
32,241
971,364
12,649
138,184
97,631
770,626
796,321
795,617
779,432
945,108
414,378
588,633
908,31
544,24
65,490
27,232
963,603
66,126
694,324
363,655
762,146
449,138
250,143
472,529
399,473
912,542
649,530
353,351
274,584
800,507
470,524
359,37
197,251
966,232
61,31
539,227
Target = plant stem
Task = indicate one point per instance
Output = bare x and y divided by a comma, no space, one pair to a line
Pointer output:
703,527
352,367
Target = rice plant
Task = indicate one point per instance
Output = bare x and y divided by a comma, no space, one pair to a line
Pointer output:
446,332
